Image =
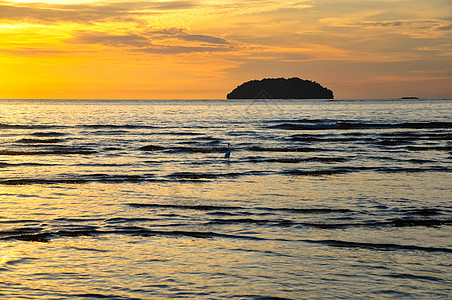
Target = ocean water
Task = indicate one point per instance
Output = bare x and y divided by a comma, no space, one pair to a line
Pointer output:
135,200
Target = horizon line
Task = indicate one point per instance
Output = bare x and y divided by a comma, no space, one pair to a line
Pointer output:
224,99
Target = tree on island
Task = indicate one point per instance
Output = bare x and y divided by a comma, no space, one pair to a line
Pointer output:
281,88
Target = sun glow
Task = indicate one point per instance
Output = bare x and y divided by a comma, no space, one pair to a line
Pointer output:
192,49
54,1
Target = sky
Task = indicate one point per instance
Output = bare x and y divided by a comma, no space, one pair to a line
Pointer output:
202,49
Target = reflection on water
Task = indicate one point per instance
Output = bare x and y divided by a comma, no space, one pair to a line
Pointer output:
134,200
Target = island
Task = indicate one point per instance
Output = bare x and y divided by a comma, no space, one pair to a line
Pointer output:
281,88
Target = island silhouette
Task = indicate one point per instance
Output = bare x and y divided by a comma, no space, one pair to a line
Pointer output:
281,88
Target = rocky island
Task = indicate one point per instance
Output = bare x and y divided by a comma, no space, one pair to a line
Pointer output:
281,88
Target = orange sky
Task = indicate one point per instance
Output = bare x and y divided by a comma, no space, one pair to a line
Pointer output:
202,49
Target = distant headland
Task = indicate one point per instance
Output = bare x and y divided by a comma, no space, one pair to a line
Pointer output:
281,88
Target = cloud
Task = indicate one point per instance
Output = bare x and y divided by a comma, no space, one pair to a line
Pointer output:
181,34
433,28
167,41
182,49
85,13
203,38
34,52
416,28
93,37
446,27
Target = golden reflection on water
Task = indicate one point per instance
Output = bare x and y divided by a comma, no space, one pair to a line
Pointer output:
11,255
166,263
218,234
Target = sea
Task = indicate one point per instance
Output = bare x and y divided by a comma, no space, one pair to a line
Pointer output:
134,199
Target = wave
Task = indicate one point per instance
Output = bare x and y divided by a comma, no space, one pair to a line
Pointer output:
88,126
284,223
100,164
81,179
113,126
192,175
110,132
344,125
121,220
411,170
345,170
17,126
239,208
415,136
207,149
312,210
287,160
397,223
48,134
184,149
6,165
429,148
294,160
197,149
39,235
101,296
66,151
414,277
378,246
308,139
152,148
317,172
27,181
39,141
383,139
185,133
415,223
303,124
18,221
425,211
279,149
195,207
394,142
107,178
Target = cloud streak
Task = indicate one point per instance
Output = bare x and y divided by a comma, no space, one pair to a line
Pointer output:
179,33
92,37
183,49
169,41
416,28
85,13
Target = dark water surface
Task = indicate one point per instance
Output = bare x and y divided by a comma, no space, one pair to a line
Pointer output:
134,200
